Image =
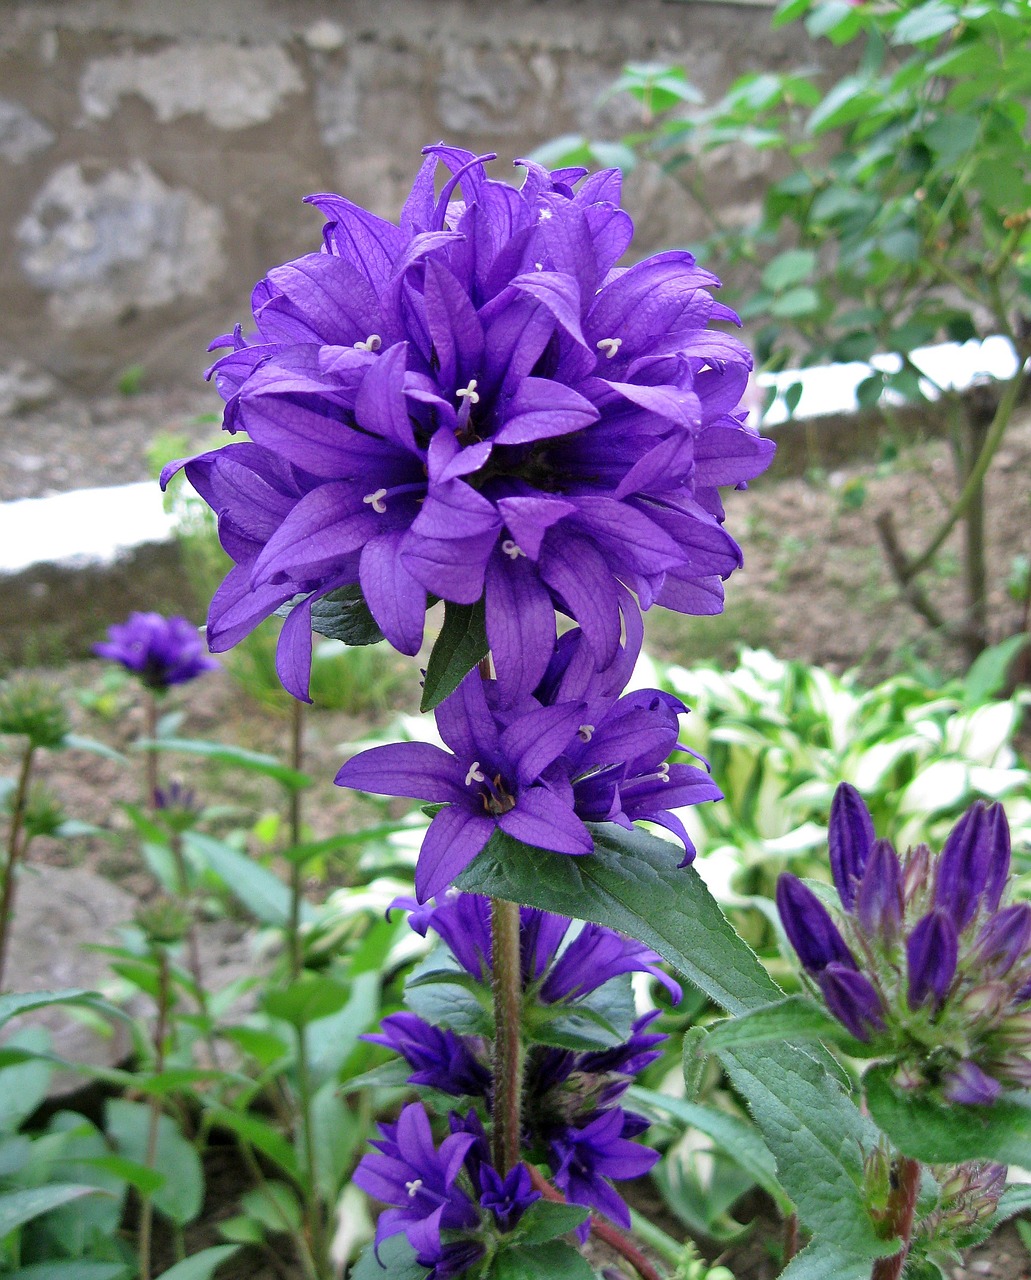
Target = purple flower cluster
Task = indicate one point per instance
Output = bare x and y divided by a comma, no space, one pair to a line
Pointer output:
931,966
161,651
478,403
573,751
572,1121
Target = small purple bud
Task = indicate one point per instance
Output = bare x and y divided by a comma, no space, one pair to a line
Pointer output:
851,997
849,837
968,1085
999,846
931,952
1016,1030
809,927
966,864
1014,1068
1004,939
916,868
985,1003
879,897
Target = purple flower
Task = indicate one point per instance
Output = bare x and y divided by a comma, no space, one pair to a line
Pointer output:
442,1059
852,998
536,770
974,864
161,651
586,1159
478,403
809,927
419,1181
878,899
968,1085
507,1198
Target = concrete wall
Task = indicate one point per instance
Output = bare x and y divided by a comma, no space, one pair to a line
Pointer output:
153,153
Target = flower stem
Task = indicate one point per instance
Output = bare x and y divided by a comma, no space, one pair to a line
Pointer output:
150,1158
899,1220
15,848
150,756
507,991
294,947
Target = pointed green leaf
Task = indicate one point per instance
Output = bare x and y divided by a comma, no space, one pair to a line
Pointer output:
19,1207
223,753
71,1269
794,1018
200,1266
396,1261
545,1220
344,615
460,646
262,893
939,1134
555,1260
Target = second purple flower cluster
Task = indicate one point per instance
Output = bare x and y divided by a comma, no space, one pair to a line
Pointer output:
931,965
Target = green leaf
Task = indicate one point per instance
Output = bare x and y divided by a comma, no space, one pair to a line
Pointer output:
789,268
24,1086
824,1258
794,1018
223,753
344,615
789,11
632,883
311,997
546,1220
460,646
11,1005
555,1260
447,996
258,1133
391,1075
19,1207
182,1192
200,1266
72,1269
736,1139
937,1134
262,893
78,743
796,303
987,675
396,1261
926,22
274,1205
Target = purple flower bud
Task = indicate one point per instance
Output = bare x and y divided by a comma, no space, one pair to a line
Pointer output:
809,927
1004,939
851,997
915,872
850,836
968,1085
931,952
973,864
879,896
999,843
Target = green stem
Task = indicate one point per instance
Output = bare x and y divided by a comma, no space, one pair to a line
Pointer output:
15,850
296,818
150,756
150,1159
506,986
976,474
664,1245
313,1207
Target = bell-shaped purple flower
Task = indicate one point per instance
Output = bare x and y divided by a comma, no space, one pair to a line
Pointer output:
419,1180
810,929
440,1058
586,1159
161,651
478,403
508,1198
852,998
850,836
931,953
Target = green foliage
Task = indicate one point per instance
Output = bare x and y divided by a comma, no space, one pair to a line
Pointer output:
460,646
33,710
781,735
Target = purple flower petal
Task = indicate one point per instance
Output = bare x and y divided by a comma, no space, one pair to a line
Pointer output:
850,836
396,599
809,927
410,769
454,838
931,953
541,819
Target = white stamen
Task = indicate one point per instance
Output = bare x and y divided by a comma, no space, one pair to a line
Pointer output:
372,343
414,1187
662,773
375,500
545,215
609,345
475,774
585,733
512,550
538,266
470,391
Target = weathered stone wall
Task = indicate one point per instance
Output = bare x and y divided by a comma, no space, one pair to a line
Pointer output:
153,153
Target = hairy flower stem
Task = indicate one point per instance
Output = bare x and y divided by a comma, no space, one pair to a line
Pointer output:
507,991
899,1219
15,849
603,1230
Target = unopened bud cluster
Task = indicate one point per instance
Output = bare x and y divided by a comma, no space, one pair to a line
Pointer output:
931,966
31,709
